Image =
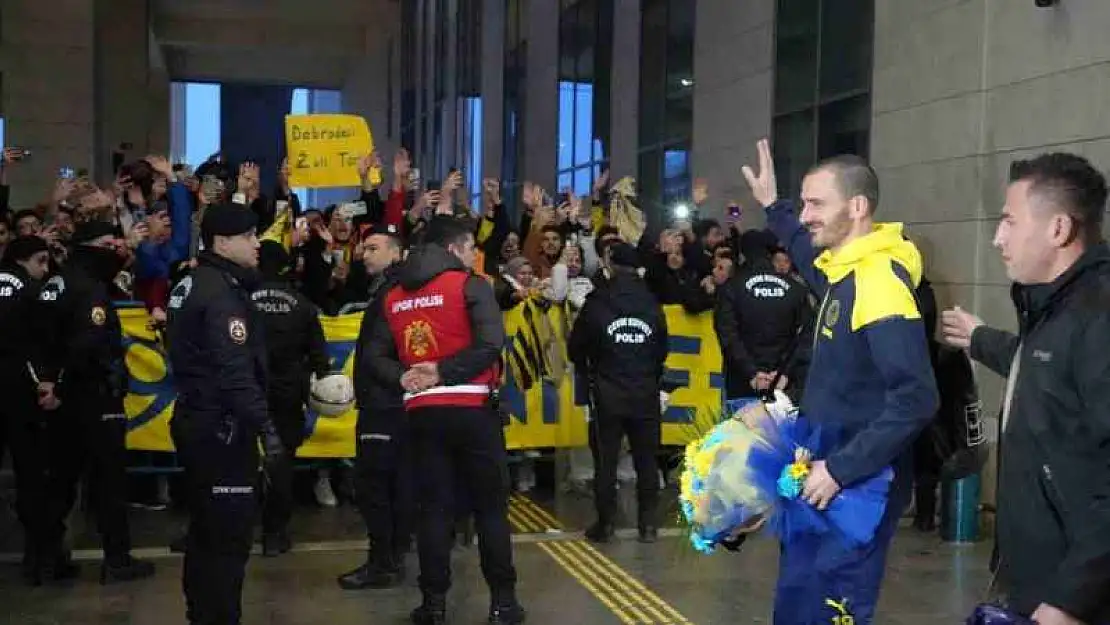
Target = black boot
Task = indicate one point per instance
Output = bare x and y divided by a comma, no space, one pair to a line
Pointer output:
432,611
60,568
125,569
648,534
600,532
506,612
376,573
276,543
179,544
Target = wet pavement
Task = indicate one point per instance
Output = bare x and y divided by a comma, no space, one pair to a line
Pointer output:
563,579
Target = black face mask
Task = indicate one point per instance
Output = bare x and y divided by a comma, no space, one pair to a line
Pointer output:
104,263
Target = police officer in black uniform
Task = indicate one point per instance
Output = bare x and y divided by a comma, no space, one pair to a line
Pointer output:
26,262
218,355
383,470
760,319
440,336
296,348
619,341
83,359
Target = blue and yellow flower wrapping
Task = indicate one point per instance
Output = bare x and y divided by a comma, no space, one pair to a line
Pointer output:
752,467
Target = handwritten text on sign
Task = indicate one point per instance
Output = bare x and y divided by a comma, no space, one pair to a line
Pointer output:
324,149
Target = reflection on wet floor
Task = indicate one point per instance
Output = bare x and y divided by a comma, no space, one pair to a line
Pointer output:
563,579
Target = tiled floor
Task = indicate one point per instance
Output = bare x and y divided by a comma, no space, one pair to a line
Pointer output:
562,579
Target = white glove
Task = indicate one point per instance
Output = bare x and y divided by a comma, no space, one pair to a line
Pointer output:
782,408
664,401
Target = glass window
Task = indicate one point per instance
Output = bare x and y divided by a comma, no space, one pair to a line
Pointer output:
823,61
666,102
585,52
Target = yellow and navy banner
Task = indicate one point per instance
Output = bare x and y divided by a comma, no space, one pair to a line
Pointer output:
539,389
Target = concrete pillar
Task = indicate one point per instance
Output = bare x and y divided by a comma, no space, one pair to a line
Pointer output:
733,90
122,69
625,96
46,56
493,87
542,102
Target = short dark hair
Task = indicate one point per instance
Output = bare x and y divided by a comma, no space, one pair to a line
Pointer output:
1068,183
854,177
446,230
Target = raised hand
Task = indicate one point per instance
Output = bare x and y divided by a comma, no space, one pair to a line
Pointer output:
763,184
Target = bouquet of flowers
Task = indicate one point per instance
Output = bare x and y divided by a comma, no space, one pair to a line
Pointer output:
747,473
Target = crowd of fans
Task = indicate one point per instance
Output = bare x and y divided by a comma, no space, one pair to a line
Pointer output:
548,253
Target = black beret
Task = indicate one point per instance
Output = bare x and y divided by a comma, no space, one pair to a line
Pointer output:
227,220
22,248
622,254
273,260
388,230
92,230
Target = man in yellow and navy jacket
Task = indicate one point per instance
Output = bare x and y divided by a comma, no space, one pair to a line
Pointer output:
870,381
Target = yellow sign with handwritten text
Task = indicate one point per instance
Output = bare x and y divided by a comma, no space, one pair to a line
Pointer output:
324,149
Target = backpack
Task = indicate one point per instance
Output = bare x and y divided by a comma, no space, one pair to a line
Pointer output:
957,434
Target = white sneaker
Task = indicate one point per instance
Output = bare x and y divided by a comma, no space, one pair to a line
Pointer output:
324,494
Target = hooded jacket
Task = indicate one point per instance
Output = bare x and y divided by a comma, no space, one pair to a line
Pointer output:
18,344
870,383
1054,478
487,332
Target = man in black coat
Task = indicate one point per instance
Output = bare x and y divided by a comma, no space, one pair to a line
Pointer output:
83,381
218,354
619,343
759,316
25,263
295,349
383,468
1053,535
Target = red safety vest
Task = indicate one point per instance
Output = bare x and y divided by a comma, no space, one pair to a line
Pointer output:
430,324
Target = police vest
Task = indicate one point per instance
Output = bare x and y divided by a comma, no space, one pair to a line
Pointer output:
429,325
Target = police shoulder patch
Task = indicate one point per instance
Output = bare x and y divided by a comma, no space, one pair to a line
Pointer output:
237,330
98,315
180,292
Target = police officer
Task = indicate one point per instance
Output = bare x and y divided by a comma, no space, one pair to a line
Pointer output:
83,382
295,347
25,263
619,342
218,355
383,470
758,318
440,336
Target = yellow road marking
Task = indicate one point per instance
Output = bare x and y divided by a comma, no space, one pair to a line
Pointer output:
546,517
588,585
530,512
519,522
628,601
637,585
615,587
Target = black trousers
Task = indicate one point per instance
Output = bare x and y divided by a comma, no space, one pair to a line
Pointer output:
95,446
606,432
468,444
30,435
384,483
277,506
220,476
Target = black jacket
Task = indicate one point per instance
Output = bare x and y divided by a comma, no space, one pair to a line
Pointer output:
82,341
619,342
486,327
18,343
295,343
375,397
217,350
758,316
1054,476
